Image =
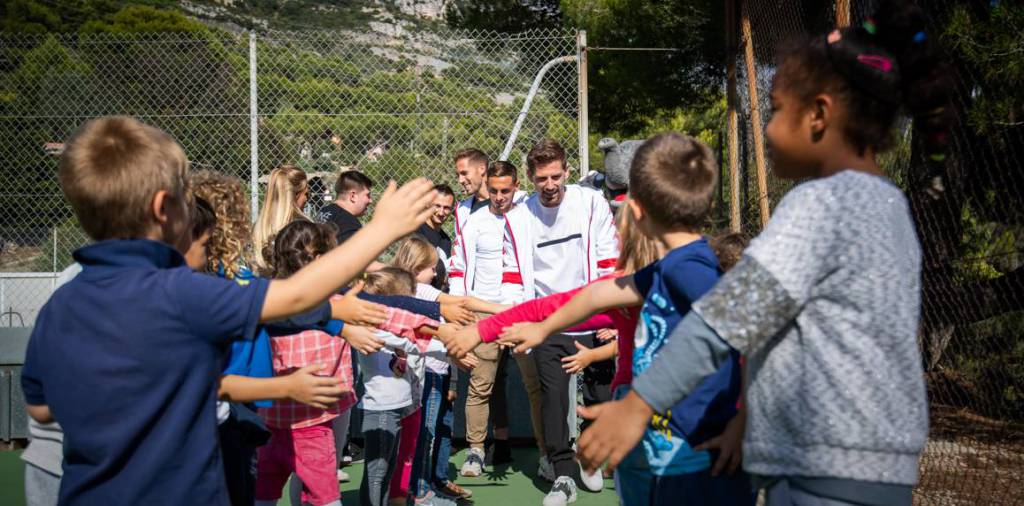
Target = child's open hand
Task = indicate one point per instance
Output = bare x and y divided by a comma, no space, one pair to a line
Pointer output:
457,312
729,445
524,336
362,339
468,362
399,211
318,391
355,311
605,335
617,428
446,332
578,362
465,340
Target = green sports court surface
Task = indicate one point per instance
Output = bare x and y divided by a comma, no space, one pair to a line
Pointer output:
508,485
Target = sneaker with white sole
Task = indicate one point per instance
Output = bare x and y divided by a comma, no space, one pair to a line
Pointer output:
544,469
562,492
343,476
474,464
592,482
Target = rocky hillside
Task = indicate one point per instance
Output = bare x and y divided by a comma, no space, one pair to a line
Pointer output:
238,15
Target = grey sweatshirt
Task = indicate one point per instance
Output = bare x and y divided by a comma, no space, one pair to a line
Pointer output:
825,304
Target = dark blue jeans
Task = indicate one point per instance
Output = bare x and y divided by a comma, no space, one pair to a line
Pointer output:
434,447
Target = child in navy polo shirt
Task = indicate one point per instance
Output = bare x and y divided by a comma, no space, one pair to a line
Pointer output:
672,184
126,356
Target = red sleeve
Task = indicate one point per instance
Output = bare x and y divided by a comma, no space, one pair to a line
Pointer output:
537,310
530,311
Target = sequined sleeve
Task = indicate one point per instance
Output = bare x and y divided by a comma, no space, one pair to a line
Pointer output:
747,306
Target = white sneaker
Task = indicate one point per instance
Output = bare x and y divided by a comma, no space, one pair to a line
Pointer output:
562,492
474,464
544,469
593,482
343,476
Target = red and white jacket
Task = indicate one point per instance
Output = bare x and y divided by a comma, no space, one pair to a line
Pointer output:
599,250
462,263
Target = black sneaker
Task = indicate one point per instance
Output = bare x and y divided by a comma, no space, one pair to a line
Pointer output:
353,454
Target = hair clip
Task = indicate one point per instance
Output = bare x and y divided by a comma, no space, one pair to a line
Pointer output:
920,37
938,157
869,26
876,62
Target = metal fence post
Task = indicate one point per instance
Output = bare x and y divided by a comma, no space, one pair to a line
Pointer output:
254,142
584,119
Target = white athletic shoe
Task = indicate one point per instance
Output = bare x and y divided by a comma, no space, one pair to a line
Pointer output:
562,492
544,469
474,464
593,482
343,476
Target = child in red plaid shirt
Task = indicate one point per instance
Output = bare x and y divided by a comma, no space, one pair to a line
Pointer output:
391,414
301,438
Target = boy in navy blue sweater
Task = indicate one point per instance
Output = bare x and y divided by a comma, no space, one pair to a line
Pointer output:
127,355
672,183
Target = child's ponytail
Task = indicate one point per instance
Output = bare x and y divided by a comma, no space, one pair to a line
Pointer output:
900,28
887,64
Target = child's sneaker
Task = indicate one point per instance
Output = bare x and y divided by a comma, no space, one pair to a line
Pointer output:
544,469
474,464
562,492
592,482
343,476
450,489
425,499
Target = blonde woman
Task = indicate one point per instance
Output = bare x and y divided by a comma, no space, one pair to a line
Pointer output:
287,192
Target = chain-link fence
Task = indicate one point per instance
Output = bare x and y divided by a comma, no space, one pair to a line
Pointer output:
970,222
393,103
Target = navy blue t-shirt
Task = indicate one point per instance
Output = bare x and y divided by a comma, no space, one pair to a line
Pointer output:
127,356
670,286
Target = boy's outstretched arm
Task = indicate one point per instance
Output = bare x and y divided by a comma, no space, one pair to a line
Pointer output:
692,352
473,303
302,386
398,213
594,298
355,311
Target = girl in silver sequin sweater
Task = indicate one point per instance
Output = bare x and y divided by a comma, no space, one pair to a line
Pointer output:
825,302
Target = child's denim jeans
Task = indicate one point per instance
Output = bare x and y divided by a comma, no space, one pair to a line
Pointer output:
430,466
381,430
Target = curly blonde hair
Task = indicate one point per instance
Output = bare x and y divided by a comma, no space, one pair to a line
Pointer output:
231,238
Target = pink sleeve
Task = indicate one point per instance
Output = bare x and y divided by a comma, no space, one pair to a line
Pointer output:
534,311
404,324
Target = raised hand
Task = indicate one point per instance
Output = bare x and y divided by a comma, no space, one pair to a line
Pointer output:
403,209
355,311
362,339
318,391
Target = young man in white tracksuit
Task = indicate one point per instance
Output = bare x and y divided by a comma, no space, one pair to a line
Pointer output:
565,238
481,265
